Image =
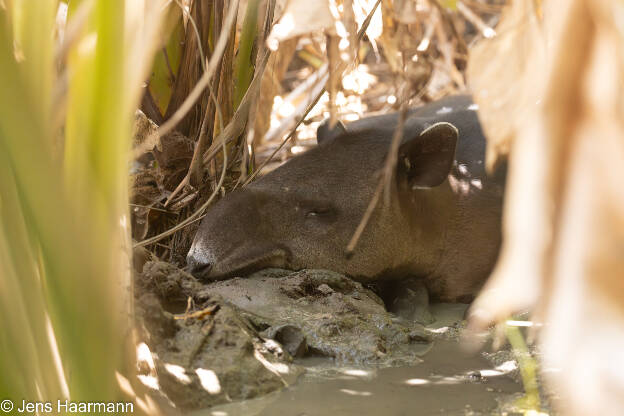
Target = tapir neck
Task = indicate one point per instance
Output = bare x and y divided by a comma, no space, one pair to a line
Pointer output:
458,244
431,214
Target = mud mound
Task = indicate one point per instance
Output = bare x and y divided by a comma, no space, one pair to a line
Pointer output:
235,339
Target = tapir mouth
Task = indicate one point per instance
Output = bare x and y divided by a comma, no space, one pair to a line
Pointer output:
242,264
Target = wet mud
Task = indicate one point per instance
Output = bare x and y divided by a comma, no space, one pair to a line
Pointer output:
311,342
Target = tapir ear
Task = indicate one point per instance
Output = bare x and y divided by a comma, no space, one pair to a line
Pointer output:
324,134
426,160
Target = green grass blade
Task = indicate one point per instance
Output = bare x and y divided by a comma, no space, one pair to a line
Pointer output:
244,68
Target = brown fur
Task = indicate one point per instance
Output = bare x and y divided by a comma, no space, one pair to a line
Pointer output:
303,214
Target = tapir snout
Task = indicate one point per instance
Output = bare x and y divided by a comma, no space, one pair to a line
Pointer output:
237,239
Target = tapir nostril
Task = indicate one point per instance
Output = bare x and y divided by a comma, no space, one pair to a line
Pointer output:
198,269
201,270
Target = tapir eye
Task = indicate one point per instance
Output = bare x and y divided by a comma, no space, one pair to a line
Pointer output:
319,212
324,213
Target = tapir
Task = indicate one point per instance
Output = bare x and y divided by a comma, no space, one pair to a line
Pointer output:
441,223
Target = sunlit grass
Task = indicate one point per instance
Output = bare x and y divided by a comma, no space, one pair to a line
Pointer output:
530,402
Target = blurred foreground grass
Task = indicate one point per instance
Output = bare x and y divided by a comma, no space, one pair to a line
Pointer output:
65,293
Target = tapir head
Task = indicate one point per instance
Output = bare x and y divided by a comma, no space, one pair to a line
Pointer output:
303,214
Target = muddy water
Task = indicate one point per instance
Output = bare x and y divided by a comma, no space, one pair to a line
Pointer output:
449,381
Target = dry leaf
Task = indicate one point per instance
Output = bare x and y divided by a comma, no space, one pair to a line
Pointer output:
552,98
301,17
